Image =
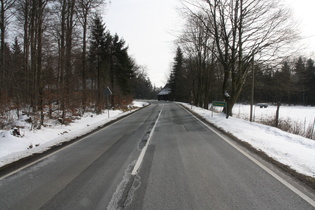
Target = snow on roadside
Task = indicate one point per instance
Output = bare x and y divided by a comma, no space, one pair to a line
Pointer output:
14,148
139,103
292,150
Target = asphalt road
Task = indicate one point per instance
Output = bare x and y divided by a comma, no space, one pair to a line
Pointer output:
84,175
186,166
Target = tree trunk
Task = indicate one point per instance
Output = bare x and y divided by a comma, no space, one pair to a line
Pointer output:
2,48
277,114
62,59
26,52
84,95
33,43
39,62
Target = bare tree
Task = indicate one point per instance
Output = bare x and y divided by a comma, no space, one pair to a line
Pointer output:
40,29
5,16
198,46
65,12
70,24
23,8
242,29
85,9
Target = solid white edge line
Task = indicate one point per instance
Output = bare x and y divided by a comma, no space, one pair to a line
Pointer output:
59,150
144,149
284,182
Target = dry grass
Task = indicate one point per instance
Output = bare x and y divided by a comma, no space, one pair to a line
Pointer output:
52,114
291,126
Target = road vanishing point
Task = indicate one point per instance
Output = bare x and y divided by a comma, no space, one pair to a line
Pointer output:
161,157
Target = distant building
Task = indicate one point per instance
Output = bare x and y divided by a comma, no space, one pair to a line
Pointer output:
164,94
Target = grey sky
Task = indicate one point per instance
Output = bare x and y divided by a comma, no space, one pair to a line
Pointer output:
149,27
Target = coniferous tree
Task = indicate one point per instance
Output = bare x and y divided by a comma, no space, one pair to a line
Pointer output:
121,69
286,82
97,56
110,60
300,80
142,87
310,82
43,74
281,88
237,40
177,76
85,9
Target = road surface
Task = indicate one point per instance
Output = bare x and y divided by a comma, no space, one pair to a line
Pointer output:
185,166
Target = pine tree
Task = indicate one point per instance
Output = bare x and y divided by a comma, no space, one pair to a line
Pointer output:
110,62
122,65
84,11
310,82
300,80
176,78
97,56
282,84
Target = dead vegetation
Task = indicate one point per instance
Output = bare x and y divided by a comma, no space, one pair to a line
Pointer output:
290,126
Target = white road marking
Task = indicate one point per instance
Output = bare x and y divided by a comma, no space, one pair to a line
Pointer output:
113,204
143,151
284,182
58,150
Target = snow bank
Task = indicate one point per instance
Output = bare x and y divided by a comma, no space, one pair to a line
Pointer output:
303,116
292,150
13,148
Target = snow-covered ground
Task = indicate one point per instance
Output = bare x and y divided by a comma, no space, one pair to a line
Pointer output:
13,148
292,150
303,116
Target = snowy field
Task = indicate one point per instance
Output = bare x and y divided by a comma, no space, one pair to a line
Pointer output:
301,115
36,141
292,150
297,119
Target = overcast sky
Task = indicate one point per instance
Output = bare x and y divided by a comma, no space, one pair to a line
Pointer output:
149,27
